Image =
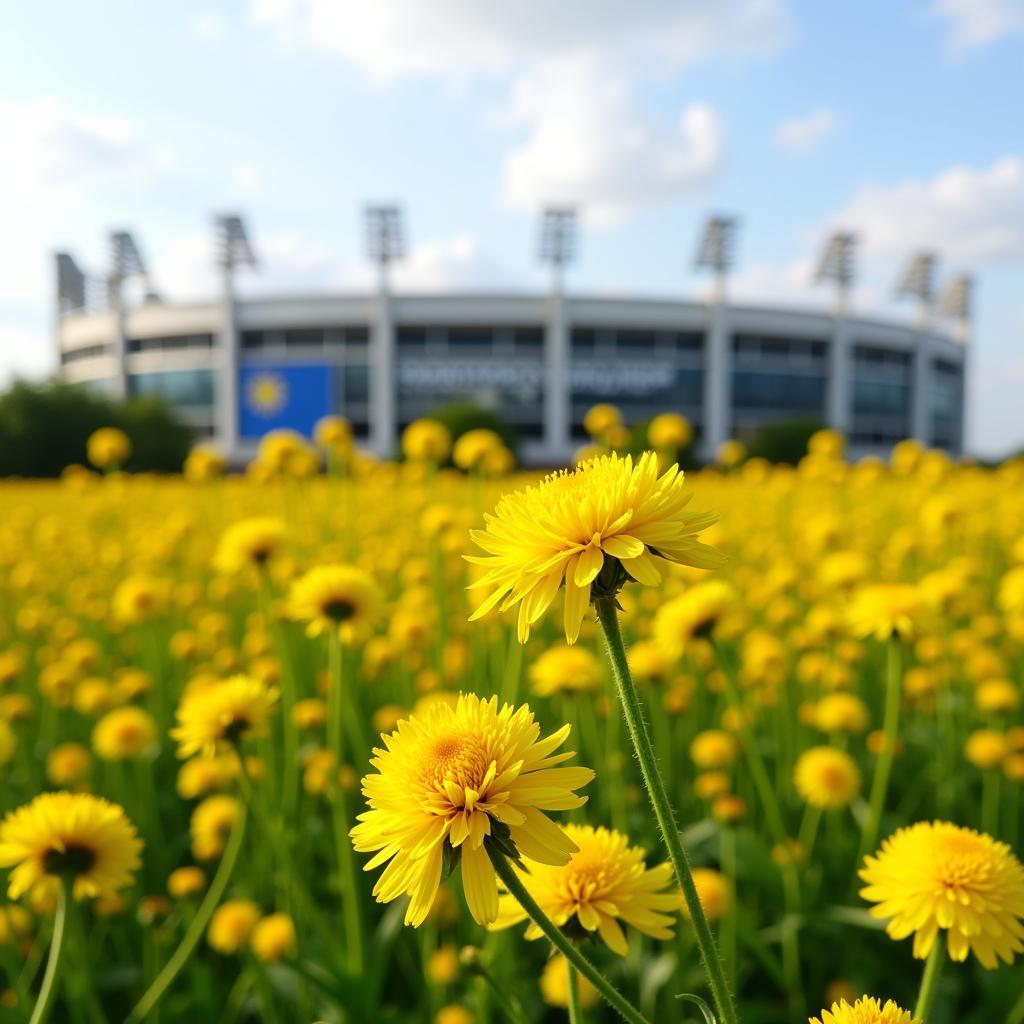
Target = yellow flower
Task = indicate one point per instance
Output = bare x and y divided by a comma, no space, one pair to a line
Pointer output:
139,598
186,881
713,891
222,714
273,938
936,876
67,764
249,542
554,985
203,463
865,1011
125,733
8,742
427,441
669,432
74,835
339,597
601,418
448,779
842,712
885,610
442,966
695,613
231,925
985,748
474,446
826,777
564,669
211,824
108,448
713,748
591,529
604,882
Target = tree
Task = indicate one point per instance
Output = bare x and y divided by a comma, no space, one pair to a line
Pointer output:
44,428
784,440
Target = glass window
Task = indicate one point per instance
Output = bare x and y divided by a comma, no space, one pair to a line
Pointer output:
779,392
412,337
304,337
356,384
183,388
470,337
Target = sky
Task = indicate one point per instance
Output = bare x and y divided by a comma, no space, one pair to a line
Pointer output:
896,120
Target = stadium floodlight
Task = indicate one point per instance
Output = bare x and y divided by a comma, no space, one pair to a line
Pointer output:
125,258
385,236
955,300
71,284
558,235
837,265
717,244
233,246
918,279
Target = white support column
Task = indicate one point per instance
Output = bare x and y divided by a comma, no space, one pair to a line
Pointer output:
557,440
839,411
228,370
119,340
919,425
383,417
717,401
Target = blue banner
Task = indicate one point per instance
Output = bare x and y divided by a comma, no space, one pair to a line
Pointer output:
283,395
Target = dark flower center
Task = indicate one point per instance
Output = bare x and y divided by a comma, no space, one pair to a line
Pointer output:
236,729
339,609
73,860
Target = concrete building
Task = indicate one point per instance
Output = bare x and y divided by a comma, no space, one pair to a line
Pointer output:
236,368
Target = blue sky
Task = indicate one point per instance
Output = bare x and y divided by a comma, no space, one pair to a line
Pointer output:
897,120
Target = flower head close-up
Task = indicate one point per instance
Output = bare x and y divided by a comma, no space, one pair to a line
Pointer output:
448,779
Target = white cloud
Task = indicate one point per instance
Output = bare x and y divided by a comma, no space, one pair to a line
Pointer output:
803,133
588,144
54,153
571,66
977,23
969,215
246,179
208,24
457,38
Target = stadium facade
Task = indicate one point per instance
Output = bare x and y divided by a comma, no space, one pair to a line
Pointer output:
238,367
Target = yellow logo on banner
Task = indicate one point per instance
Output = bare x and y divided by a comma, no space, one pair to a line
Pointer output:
267,394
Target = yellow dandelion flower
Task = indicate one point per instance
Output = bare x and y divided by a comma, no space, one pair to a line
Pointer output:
81,837
565,669
865,1011
937,876
222,714
427,441
339,597
714,892
669,432
554,985
231,925
185,882
273,938
448,779
123,734
826,777
694,613
108,448
249,542
211,824
605,882
590,529
885,610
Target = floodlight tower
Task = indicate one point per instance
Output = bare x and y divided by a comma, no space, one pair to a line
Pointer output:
125,263
558,239
385,243
837,265
233,250
957,302
71,295
716,251
918,281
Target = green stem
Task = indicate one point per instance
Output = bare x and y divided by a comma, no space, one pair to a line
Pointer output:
573,989
929,981
347,871
56,957
519,893
608,617
883,769
198,924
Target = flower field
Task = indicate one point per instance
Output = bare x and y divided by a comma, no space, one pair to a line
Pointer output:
399,744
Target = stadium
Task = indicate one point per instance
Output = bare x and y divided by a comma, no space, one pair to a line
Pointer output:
236,367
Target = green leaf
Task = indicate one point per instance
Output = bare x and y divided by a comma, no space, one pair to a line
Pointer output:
709,1017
